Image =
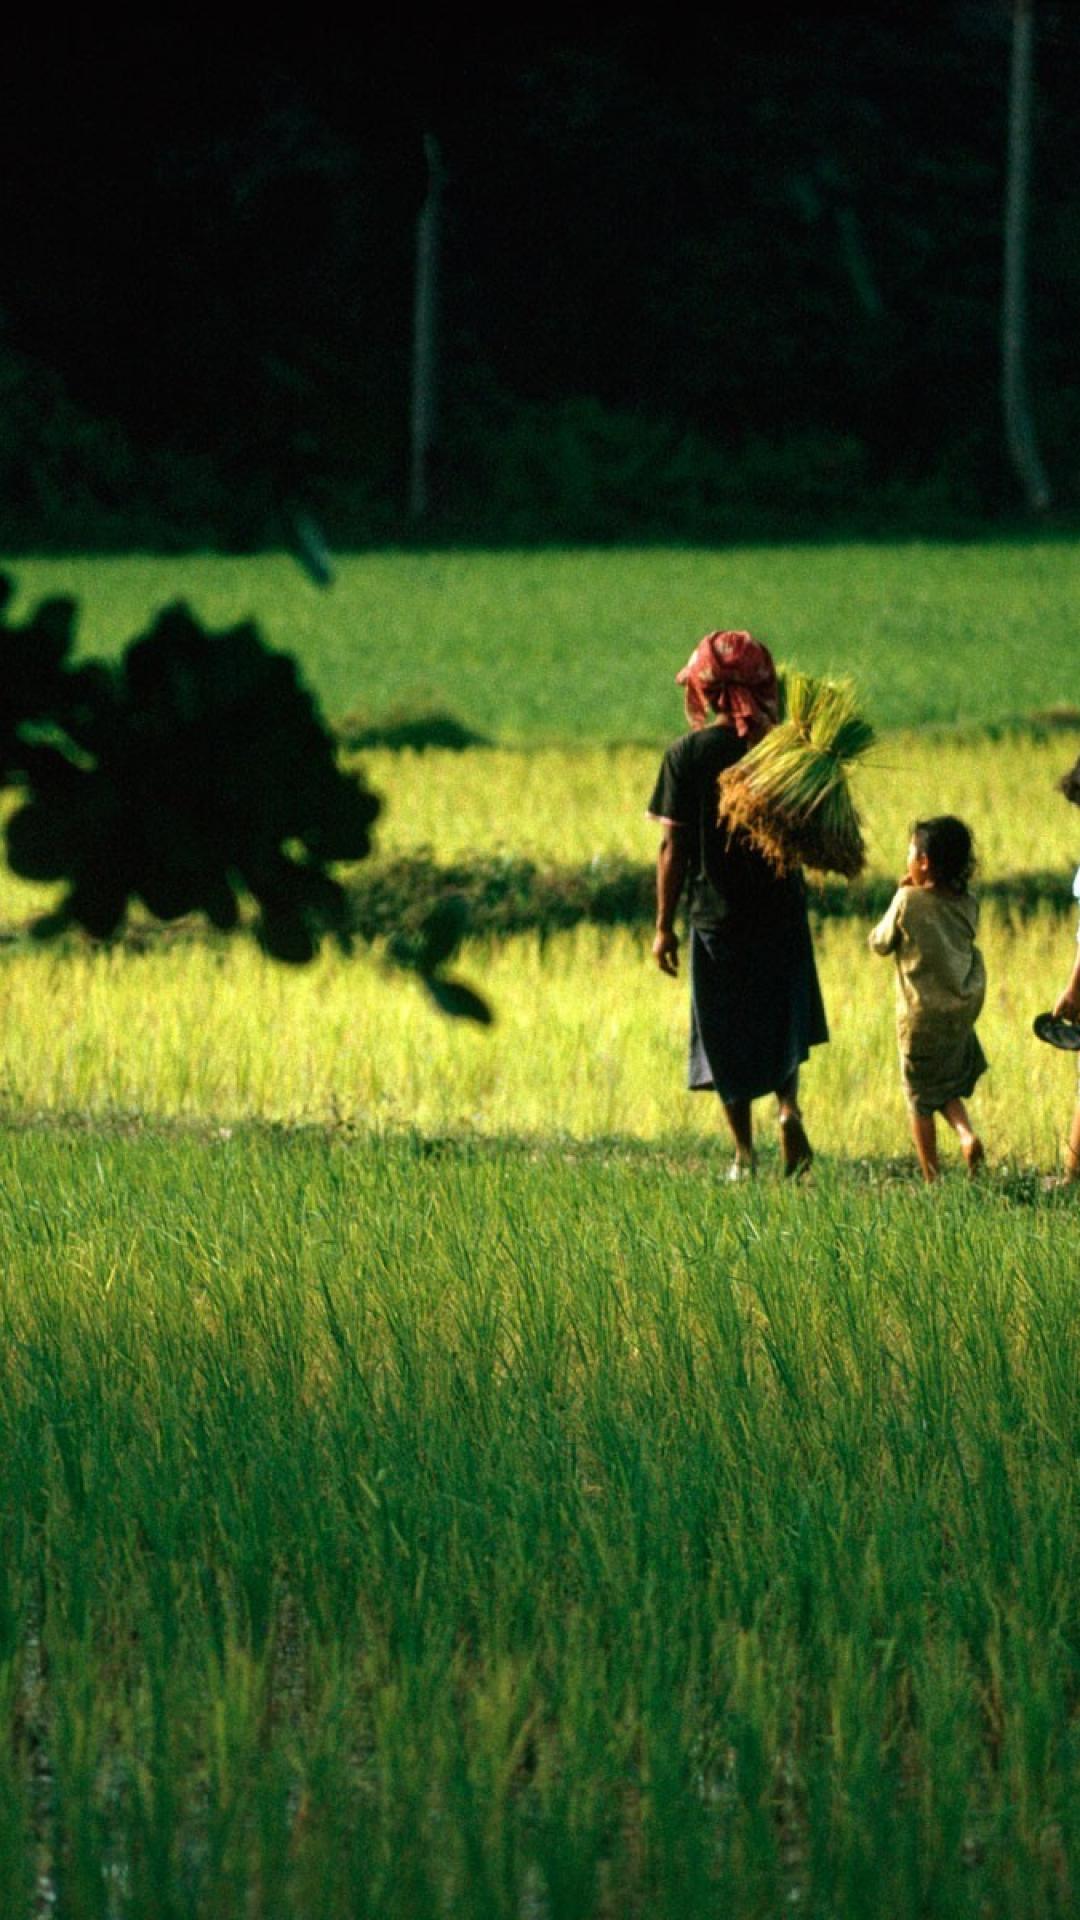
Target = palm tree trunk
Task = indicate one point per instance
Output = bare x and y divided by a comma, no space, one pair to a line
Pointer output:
425,332
1019,426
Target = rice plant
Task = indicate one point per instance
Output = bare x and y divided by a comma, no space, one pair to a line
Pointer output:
427,1488
588,1042
934,632
790,795
421,1530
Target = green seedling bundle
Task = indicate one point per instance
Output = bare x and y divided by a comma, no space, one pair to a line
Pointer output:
790,794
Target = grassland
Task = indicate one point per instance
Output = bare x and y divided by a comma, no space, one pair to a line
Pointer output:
426,1487
574,805
589,1042
429,1531
562,646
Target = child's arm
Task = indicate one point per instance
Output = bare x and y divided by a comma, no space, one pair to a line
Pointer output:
1067,1004
885,937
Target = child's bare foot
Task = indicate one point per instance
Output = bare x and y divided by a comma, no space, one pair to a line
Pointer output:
974,1154
795,1146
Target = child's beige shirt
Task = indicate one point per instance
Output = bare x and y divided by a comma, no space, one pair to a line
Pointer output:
939,969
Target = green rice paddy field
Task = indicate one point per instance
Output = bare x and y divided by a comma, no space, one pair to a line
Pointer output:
428,1489
571,645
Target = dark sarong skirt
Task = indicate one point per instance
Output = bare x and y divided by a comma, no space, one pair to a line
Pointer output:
755,1007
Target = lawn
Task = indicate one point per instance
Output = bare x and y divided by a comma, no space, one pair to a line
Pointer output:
426,1529
582,645
427,1487
572,806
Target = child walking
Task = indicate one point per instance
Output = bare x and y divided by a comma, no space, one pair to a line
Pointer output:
940,985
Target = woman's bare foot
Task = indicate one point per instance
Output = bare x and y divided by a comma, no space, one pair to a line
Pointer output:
794,1145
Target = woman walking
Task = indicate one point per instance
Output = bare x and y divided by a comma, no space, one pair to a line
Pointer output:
755,1003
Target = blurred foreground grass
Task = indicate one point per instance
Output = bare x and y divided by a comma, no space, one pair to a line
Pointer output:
431,1530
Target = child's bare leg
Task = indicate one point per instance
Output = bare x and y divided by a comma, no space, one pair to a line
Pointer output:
971,1146
1071,1156
924,1134
739,1115
794,1145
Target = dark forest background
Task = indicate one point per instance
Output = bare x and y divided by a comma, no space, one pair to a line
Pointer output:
701,277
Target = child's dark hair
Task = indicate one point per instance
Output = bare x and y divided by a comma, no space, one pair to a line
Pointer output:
949,847
1069,784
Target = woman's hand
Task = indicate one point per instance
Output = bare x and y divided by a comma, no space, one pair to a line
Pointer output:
665,951
1067,1005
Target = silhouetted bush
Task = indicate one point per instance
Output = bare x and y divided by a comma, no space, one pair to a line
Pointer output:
508,470
405,728
191,775
193,771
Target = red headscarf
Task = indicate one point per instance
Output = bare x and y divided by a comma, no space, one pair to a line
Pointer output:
732,674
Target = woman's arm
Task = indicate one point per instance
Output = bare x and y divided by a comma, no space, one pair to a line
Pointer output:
670,879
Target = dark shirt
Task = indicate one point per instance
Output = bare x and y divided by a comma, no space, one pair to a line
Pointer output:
727,879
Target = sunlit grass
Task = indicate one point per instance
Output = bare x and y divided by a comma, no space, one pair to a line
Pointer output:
571,805
583,645
562,805
589,1042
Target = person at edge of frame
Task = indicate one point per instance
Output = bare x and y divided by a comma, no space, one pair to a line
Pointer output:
1067,1007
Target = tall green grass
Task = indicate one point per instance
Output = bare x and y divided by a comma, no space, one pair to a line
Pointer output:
426,1487
583,645
589,1041
421,1533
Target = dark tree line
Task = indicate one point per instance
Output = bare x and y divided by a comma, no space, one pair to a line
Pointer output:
762,249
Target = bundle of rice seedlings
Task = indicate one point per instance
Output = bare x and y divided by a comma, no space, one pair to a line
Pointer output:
790,794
